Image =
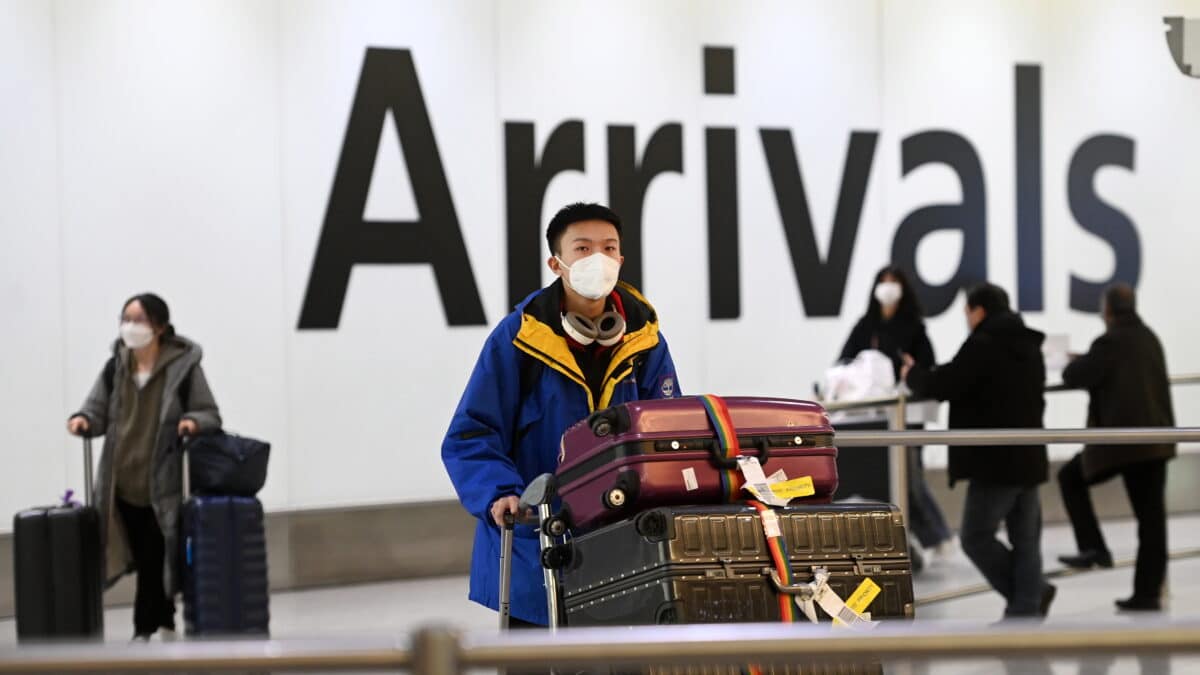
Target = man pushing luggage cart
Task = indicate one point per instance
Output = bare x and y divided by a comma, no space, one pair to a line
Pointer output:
582,344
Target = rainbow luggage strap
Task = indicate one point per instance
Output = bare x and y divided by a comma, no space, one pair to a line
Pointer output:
722,422
718,416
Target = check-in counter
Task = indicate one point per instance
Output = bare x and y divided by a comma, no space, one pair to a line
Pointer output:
863,472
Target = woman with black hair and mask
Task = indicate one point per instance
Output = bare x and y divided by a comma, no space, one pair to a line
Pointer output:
151,391
894,324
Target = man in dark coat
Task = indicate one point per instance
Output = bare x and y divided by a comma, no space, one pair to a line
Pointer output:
1125,372
997,380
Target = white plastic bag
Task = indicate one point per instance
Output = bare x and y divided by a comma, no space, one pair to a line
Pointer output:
869,375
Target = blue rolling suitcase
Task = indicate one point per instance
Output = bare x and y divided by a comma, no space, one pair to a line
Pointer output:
224,565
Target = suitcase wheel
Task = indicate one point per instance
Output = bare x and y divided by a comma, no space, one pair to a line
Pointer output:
623,492
667,613
565,515
614,498
556,557
602,427
609,421
555,526
652,525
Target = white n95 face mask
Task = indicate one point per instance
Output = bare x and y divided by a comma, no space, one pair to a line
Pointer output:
593,277
136,335
888,293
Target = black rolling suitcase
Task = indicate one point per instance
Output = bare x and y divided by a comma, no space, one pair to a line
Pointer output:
225,590
706,564
57,568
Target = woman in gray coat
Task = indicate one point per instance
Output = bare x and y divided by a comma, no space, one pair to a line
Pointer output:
150,392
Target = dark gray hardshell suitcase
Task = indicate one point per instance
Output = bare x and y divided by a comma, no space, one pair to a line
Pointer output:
704,564
57,568
56,552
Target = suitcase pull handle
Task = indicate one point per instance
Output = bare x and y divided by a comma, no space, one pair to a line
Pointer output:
764,451
186,480
806,590
89,497
720,459
727,448
506,544
723,462
801,589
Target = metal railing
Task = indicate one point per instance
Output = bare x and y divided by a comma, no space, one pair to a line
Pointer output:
444,651
734,644
898,445
890,401
977,437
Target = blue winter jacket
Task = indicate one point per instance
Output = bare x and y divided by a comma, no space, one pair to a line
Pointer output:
505,432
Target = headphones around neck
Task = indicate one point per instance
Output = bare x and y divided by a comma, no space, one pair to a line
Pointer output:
606,331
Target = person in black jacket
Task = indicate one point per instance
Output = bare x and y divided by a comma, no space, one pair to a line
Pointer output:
996,380
1125,373
894,324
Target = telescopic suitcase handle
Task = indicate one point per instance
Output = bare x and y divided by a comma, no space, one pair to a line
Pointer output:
184,441
506,546
88,491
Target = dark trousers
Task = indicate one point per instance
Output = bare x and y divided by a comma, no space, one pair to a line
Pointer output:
152,608
1146,484
925,517
1015,571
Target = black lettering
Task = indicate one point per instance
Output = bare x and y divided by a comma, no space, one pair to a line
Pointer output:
718,71
720,149
628,182
1029,187
527,180
1100,218
724,280
822,283
388,81
969,216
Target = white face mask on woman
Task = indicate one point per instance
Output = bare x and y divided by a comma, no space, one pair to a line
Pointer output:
136,335
593,277
888,293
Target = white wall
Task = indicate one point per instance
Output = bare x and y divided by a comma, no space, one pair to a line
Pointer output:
189,149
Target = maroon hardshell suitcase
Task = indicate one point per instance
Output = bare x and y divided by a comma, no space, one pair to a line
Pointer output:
643,454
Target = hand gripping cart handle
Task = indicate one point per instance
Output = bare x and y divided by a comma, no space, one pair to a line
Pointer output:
538,495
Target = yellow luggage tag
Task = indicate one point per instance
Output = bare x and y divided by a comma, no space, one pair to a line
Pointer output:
795,488
861,599
771,490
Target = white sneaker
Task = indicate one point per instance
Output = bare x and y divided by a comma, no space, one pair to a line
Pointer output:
947,550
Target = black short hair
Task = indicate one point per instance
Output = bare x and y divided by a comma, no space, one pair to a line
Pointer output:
1120,299
577,213
992,298
156,310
